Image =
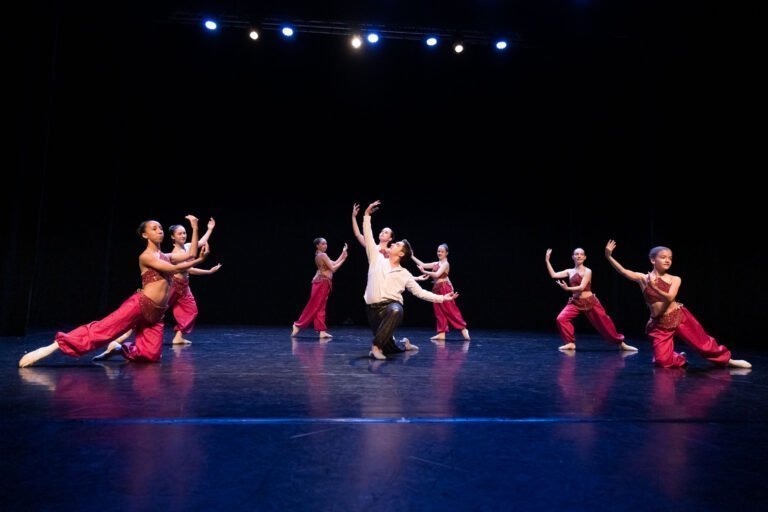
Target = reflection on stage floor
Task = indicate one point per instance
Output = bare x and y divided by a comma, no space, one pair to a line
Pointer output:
248,418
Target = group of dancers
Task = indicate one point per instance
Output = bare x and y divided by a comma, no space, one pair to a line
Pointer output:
669,318
387,280
165,285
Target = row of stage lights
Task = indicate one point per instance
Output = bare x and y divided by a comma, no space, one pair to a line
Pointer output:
365,35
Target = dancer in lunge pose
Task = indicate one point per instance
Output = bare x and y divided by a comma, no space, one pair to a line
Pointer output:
143,311
387,280
582,300
669,318
182,303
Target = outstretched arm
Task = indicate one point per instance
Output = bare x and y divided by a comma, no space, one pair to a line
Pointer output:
191,247
418,262
150,261
205,272
554,275
355,227
204,239
371,248
423,265
438,271
629,274
412,286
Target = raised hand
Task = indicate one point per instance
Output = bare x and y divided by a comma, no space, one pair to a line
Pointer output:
192,219
373,207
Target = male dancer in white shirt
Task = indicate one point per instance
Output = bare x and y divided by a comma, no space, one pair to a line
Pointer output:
384,292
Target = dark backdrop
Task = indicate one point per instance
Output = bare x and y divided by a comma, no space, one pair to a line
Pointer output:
605,122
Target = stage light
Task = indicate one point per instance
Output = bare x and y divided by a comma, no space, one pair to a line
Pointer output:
370,33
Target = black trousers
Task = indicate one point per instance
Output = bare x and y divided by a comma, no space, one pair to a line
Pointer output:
384,317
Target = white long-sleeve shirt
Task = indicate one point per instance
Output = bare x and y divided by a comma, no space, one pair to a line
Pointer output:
385,281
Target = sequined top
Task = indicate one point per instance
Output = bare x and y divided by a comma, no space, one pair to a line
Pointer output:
652,296
575,280
151,275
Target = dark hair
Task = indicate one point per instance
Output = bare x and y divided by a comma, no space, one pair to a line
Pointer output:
142,227
173,228
316,241
407,251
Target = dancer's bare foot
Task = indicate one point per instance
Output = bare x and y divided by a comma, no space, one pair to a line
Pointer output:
438,336
567,346
409,345
624,346
38,354
376,353
178,339
738,363
113,349
465,333
325,334
294,330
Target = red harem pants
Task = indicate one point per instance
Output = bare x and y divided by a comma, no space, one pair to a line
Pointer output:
138,313
314,311
683,324
183,306
596,315
447,313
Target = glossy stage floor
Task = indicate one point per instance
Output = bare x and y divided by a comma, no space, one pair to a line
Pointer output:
247,418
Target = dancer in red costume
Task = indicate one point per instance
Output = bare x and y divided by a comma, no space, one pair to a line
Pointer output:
182,303
670,318
582,300
143,311
447,314
314,311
